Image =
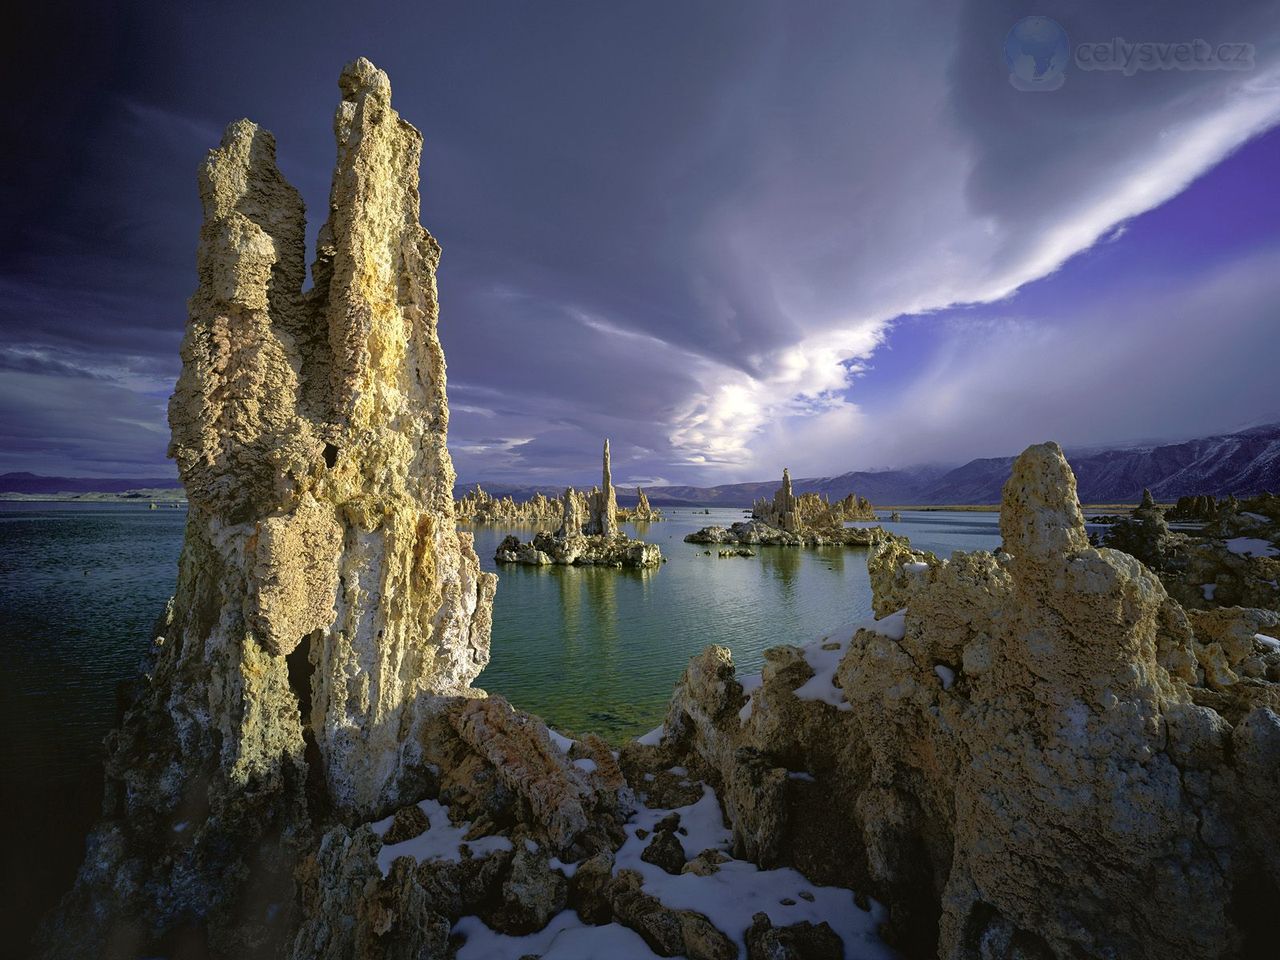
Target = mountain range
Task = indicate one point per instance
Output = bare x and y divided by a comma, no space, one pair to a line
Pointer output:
1244,463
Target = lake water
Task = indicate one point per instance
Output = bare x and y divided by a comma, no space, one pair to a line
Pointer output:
81,586
599,649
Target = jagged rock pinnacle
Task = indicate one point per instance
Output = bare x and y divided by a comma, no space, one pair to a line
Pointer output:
325,598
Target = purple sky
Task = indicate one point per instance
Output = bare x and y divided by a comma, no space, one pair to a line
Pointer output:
724,235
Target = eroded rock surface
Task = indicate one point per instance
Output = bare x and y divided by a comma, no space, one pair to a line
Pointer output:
1036,753
325,601
642,512
788,520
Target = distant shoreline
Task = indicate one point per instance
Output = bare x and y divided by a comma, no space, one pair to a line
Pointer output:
166,497
995,507
177,497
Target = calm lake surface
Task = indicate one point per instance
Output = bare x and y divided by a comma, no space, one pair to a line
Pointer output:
81,586
598,649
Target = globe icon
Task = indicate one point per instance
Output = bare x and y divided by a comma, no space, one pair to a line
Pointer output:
1036,52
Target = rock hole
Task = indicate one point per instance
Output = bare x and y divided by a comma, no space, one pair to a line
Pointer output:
300,668
330,455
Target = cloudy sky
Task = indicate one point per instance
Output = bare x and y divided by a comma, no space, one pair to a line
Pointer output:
727,235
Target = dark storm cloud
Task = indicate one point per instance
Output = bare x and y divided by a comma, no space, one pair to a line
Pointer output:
683,226
92,428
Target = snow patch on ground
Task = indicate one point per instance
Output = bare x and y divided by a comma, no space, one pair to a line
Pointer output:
945,674
739,889
652,738
1252,547
750,684
822,685
1271,643
728,898
825,657
560,740
894,626
443,841
564,938
1208,589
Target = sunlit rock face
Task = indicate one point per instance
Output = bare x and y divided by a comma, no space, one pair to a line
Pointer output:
1034,753
642,512
324,597
310,435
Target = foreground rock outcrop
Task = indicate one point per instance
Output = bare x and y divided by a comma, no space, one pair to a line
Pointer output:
588,534
1038,753
326,602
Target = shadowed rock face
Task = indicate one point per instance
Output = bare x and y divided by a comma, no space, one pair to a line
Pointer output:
325,600
1038,755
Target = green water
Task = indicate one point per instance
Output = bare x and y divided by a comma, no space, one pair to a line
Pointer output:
600,649
587,649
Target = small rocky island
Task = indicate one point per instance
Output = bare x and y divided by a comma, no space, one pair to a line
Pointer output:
789,510
788,520
642,512
588,534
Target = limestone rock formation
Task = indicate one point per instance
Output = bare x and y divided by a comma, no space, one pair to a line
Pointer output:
588,534
573,513
477,506
642,512
1233,559
781,511
1036,753
793,521
1192,508
809,511
602,517
325,600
